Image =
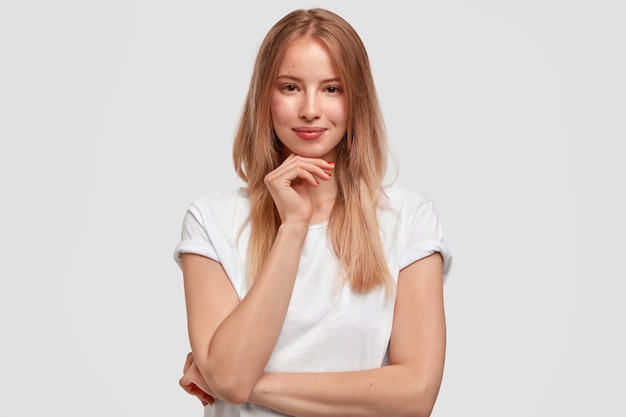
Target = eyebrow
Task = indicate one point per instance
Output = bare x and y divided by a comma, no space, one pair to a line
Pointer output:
296,79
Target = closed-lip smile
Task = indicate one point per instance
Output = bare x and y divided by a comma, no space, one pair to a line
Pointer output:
309,132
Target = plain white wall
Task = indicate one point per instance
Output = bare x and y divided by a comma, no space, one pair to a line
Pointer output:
114,115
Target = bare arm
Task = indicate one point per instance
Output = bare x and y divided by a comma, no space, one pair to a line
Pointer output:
407,387
232,340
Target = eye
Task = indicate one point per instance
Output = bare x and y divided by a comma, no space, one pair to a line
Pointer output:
289,87
333,89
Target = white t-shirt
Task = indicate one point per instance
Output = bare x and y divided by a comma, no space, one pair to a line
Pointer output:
327,327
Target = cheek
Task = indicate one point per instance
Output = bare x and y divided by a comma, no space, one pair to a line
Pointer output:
278,109
338,112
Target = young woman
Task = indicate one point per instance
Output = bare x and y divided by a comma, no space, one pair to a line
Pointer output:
314,291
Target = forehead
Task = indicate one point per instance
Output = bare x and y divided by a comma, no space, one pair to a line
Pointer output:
306,54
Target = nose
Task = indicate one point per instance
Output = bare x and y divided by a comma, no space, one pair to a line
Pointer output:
310,108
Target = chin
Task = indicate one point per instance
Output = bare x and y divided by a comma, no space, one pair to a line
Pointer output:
316,154
307,151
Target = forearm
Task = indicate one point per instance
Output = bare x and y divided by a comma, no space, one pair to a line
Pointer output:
394,390
241,346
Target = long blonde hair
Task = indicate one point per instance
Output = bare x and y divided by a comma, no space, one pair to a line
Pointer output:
361,159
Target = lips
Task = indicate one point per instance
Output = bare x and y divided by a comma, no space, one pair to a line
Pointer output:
309,133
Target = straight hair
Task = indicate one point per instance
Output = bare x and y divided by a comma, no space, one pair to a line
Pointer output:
361,158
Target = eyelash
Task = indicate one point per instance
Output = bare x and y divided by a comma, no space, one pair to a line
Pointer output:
292,87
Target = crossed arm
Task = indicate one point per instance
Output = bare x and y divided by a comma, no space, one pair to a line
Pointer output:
232,341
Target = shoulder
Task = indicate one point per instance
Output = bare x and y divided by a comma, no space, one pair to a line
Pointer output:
415,225
400,199
221,203
408,209
211,224
219,210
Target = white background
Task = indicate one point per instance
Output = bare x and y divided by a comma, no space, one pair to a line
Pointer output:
114,115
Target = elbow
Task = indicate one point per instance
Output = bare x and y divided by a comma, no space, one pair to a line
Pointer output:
423,411
227,386
419,409
232,393
420,402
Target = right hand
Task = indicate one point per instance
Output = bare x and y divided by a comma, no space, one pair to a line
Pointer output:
290,183
193,382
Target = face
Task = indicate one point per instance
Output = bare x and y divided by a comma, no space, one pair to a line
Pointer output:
308,102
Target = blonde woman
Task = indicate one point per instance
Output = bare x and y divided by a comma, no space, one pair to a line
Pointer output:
315,290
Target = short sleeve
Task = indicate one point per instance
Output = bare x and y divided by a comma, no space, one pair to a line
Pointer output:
194,237
425,237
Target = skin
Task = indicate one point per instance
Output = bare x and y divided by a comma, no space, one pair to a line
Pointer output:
308,99
309,117
223,329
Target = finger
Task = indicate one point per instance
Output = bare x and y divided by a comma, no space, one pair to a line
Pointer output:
316,166
185,383
285,177
308,163
305,174
188,361
204,397
297,171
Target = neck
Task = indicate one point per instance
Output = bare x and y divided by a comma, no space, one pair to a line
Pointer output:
323,200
